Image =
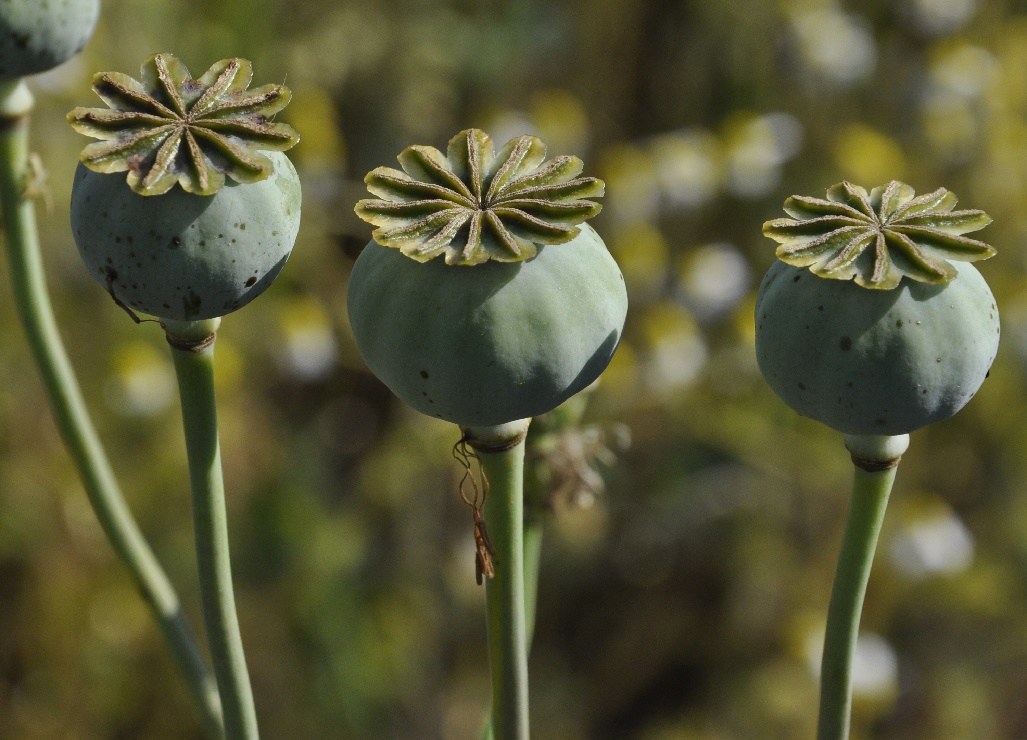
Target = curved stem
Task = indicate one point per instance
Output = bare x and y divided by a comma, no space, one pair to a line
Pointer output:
192,346
876,460
504,593
80,438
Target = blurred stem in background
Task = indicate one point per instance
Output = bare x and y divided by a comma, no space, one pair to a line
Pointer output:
876,460
192,346
17,180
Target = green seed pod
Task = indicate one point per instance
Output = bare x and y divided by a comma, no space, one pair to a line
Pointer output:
860,358
206,248
485,345
526,308
183,256
37,35
870,361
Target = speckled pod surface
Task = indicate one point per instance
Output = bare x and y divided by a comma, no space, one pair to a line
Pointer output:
183,256
881,362
37,35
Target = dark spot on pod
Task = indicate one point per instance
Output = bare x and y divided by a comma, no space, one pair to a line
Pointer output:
424,374
802,386
175,243
987,374
845,343
820,308
880,422
251,281
899,323
796,278
191,304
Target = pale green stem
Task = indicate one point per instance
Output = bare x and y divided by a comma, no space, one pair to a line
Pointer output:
192,346
501,451
876,460
532,563
33,303
533,529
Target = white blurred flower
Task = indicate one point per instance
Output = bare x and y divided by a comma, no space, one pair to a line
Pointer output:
756,148
837,47
676,350
939,543
688,167
308,348
714,279
937,17
965,70
142,382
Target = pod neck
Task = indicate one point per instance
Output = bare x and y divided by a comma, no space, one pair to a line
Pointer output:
498,438
874,453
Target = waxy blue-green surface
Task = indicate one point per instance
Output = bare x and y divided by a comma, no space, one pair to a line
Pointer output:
486,344
183,256
37,35
875,361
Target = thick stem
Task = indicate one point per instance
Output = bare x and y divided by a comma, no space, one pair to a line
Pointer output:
876,460
503,465
80,438
192,346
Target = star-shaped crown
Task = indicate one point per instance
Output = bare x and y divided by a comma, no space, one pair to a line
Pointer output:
167,127
475,205
878,238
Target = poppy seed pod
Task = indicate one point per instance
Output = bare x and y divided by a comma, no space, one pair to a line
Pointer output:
183,256
209,209
37,35
526,306
882,335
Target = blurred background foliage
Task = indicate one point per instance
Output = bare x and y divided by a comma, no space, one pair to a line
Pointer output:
685,575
